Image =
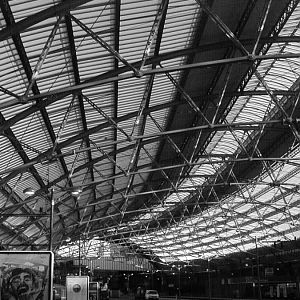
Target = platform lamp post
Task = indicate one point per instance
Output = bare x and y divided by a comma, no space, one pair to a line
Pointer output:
79,257
178,294
51,219
209,279
179,282
31,192
258,270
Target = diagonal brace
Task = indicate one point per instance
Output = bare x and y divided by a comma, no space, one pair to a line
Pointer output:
41,60
162,8
106,46
188,99
108,118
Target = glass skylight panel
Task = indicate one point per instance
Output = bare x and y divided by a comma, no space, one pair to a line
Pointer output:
31,230
15,221
282,227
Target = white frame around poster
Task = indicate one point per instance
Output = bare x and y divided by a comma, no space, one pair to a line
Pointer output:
26,275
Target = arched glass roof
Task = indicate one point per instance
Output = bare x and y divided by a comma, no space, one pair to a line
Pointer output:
177,120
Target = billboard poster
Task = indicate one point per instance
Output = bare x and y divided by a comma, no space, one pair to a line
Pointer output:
26,275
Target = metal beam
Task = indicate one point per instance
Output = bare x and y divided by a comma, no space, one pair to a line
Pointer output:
106,46
160,17
41,60
55,10
148,139
9,18
117,19
156,60
79,95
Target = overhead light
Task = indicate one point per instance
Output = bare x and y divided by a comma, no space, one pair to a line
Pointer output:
68,239
76,191
29,191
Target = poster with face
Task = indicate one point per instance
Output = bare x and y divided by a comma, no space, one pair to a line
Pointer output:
26,275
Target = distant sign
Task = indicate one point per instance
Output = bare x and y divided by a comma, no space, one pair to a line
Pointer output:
77,287
269,271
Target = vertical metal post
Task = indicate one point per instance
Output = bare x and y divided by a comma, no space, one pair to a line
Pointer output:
258,271
152,281
179,284
209,280
79,256
253,282
51,219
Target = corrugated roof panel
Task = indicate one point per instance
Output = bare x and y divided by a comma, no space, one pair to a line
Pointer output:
190,10
90,53
135,21
130,92
258,205
20,8
246,117
65,118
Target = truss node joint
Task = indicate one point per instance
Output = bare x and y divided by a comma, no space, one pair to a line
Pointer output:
275,184
138,73
290,121
23,99
251,57
48,159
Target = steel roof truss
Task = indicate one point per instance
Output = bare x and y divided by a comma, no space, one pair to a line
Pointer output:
106,46
63,124
186,97
172,143
240,46
262,25
110,120
109,157
9,93
77,81
39,64
153,32
220,100
42,15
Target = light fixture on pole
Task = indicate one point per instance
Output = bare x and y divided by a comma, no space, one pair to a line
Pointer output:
29,191
75,191
51,218
79,257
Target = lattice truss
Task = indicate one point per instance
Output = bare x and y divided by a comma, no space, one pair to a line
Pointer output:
177,120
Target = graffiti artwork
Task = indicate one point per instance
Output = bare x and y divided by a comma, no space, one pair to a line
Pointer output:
26,275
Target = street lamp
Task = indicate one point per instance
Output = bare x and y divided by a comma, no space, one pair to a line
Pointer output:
76,191
179,281
29,191
79,257
209,279
258,270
